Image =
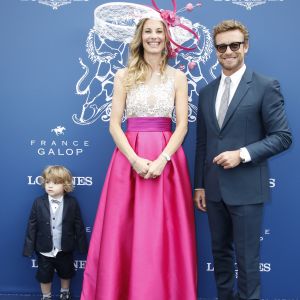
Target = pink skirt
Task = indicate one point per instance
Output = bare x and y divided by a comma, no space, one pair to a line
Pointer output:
143,241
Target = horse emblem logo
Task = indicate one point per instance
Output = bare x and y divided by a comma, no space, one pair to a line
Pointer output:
55,4
58,130
249,4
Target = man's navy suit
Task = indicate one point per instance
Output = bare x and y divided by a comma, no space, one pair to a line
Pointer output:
255,119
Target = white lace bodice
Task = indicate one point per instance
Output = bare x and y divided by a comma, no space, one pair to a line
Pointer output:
153,99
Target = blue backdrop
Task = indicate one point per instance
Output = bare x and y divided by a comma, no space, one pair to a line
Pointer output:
57,65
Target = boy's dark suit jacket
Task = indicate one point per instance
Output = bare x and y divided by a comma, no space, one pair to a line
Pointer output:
38,235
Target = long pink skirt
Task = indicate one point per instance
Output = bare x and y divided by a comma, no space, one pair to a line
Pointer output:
143,241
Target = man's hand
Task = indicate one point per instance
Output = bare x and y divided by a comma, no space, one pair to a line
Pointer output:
228,159
199,199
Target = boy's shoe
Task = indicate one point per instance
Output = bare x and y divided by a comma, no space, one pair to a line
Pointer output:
65,296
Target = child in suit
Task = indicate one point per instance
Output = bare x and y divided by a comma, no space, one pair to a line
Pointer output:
53,229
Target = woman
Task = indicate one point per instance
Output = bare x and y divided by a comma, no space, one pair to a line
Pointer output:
143,241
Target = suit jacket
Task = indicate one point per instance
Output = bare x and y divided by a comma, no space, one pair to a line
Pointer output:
255,119
38,235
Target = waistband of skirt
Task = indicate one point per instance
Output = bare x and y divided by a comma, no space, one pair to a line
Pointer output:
149,124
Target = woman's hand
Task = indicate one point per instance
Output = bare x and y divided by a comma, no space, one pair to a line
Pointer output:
156,167
141,166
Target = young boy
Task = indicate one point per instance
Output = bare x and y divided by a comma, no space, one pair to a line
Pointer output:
54,227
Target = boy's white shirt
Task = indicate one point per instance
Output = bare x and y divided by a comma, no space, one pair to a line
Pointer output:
53,206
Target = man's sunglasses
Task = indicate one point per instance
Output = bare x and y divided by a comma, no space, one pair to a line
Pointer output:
222,48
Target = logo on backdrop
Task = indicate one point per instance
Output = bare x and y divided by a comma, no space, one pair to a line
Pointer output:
57,144
55,4
263,267
266,233
107,49
249,4
77,180
272,183
58,130
78,264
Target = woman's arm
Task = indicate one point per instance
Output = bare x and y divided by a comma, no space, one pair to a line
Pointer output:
139,164
181,107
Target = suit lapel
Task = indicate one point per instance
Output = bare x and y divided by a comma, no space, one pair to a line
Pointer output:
212,103
65,208
238,96
46,203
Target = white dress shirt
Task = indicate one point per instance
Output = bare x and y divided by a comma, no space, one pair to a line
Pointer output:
235,80
53,206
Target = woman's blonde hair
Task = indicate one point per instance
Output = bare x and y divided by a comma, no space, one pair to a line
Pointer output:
138,68
58,174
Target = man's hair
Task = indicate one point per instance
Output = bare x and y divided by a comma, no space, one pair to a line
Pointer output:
229,25
58,174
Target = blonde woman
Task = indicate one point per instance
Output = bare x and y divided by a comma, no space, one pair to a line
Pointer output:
54,229
143,241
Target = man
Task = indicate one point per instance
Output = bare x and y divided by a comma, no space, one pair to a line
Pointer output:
241,123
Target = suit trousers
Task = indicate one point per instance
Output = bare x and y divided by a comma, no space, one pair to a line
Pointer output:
235,232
